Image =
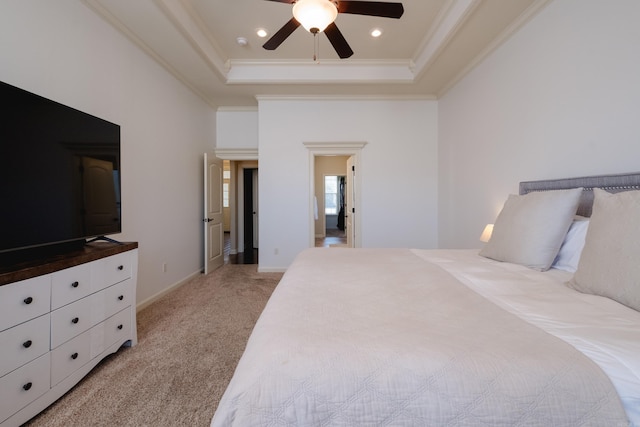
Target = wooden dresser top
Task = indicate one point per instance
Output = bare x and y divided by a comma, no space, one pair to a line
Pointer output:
89,252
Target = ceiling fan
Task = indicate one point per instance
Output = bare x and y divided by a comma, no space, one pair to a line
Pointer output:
317,16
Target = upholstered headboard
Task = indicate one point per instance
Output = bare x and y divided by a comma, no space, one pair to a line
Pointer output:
610,183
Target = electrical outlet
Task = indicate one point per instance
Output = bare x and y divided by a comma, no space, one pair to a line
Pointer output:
275,251
164,267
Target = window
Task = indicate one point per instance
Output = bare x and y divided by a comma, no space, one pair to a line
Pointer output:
226,178
331,195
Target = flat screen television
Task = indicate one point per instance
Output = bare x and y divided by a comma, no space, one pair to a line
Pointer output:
59,175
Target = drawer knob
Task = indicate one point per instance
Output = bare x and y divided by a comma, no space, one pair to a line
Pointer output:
27,386
28,300
121,297
27,344
120,327
75,320
121,267
75,284
74,356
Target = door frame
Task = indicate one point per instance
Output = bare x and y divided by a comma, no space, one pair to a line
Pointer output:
353,149
240,158
240,211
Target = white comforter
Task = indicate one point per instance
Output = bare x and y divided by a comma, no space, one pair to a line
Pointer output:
381,337
604,330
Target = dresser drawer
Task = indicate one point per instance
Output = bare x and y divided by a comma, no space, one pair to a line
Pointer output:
24,385
111,270
24,300
71,320
89,312
70,357
70,284
23,343
115,329
112,300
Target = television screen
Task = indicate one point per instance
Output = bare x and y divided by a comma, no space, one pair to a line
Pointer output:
59,172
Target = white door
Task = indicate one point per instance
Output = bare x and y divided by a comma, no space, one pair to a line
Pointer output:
213,224
350,206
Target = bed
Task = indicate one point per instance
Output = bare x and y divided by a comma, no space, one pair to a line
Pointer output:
500,336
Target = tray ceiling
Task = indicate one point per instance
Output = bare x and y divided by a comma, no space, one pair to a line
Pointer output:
433,45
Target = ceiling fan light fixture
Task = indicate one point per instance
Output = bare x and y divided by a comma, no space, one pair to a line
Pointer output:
315,15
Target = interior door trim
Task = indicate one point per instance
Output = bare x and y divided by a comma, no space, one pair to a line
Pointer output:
353,149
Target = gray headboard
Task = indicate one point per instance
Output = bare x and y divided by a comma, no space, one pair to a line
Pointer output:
610,183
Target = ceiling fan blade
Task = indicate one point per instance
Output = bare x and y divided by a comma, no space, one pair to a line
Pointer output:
281,35
372,8
338,41
284,1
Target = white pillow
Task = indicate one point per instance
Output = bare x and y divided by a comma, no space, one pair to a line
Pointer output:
569,254
530,228
610,261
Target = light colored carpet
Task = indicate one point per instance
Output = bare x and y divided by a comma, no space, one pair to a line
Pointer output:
189,343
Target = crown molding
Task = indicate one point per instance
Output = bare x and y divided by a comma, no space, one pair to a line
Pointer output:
237,109
118,25
183,16
446,26
193,30
309,72
237,153
334,147
345,98
505,35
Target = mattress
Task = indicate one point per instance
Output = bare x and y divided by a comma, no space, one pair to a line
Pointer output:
433,337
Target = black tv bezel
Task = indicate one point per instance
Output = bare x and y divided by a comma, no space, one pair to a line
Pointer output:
53,247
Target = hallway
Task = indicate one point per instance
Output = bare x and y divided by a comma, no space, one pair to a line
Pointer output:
247,257
333,237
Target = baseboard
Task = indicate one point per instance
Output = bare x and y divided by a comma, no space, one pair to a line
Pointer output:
154,298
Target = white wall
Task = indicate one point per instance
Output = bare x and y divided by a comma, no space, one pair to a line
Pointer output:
398,171
63,51
561,98
237,128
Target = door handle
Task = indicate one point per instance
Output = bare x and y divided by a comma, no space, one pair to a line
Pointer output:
207,220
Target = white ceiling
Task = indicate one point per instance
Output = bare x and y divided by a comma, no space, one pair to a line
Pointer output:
422,54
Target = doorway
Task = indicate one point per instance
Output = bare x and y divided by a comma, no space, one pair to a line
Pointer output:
333,206
240,190
351,152
250,216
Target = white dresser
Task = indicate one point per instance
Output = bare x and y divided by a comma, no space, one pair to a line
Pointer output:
57,325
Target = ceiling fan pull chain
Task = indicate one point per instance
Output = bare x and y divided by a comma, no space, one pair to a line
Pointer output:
316,48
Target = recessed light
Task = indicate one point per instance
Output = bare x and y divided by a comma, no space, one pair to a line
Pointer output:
261,32
242,41
376,32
